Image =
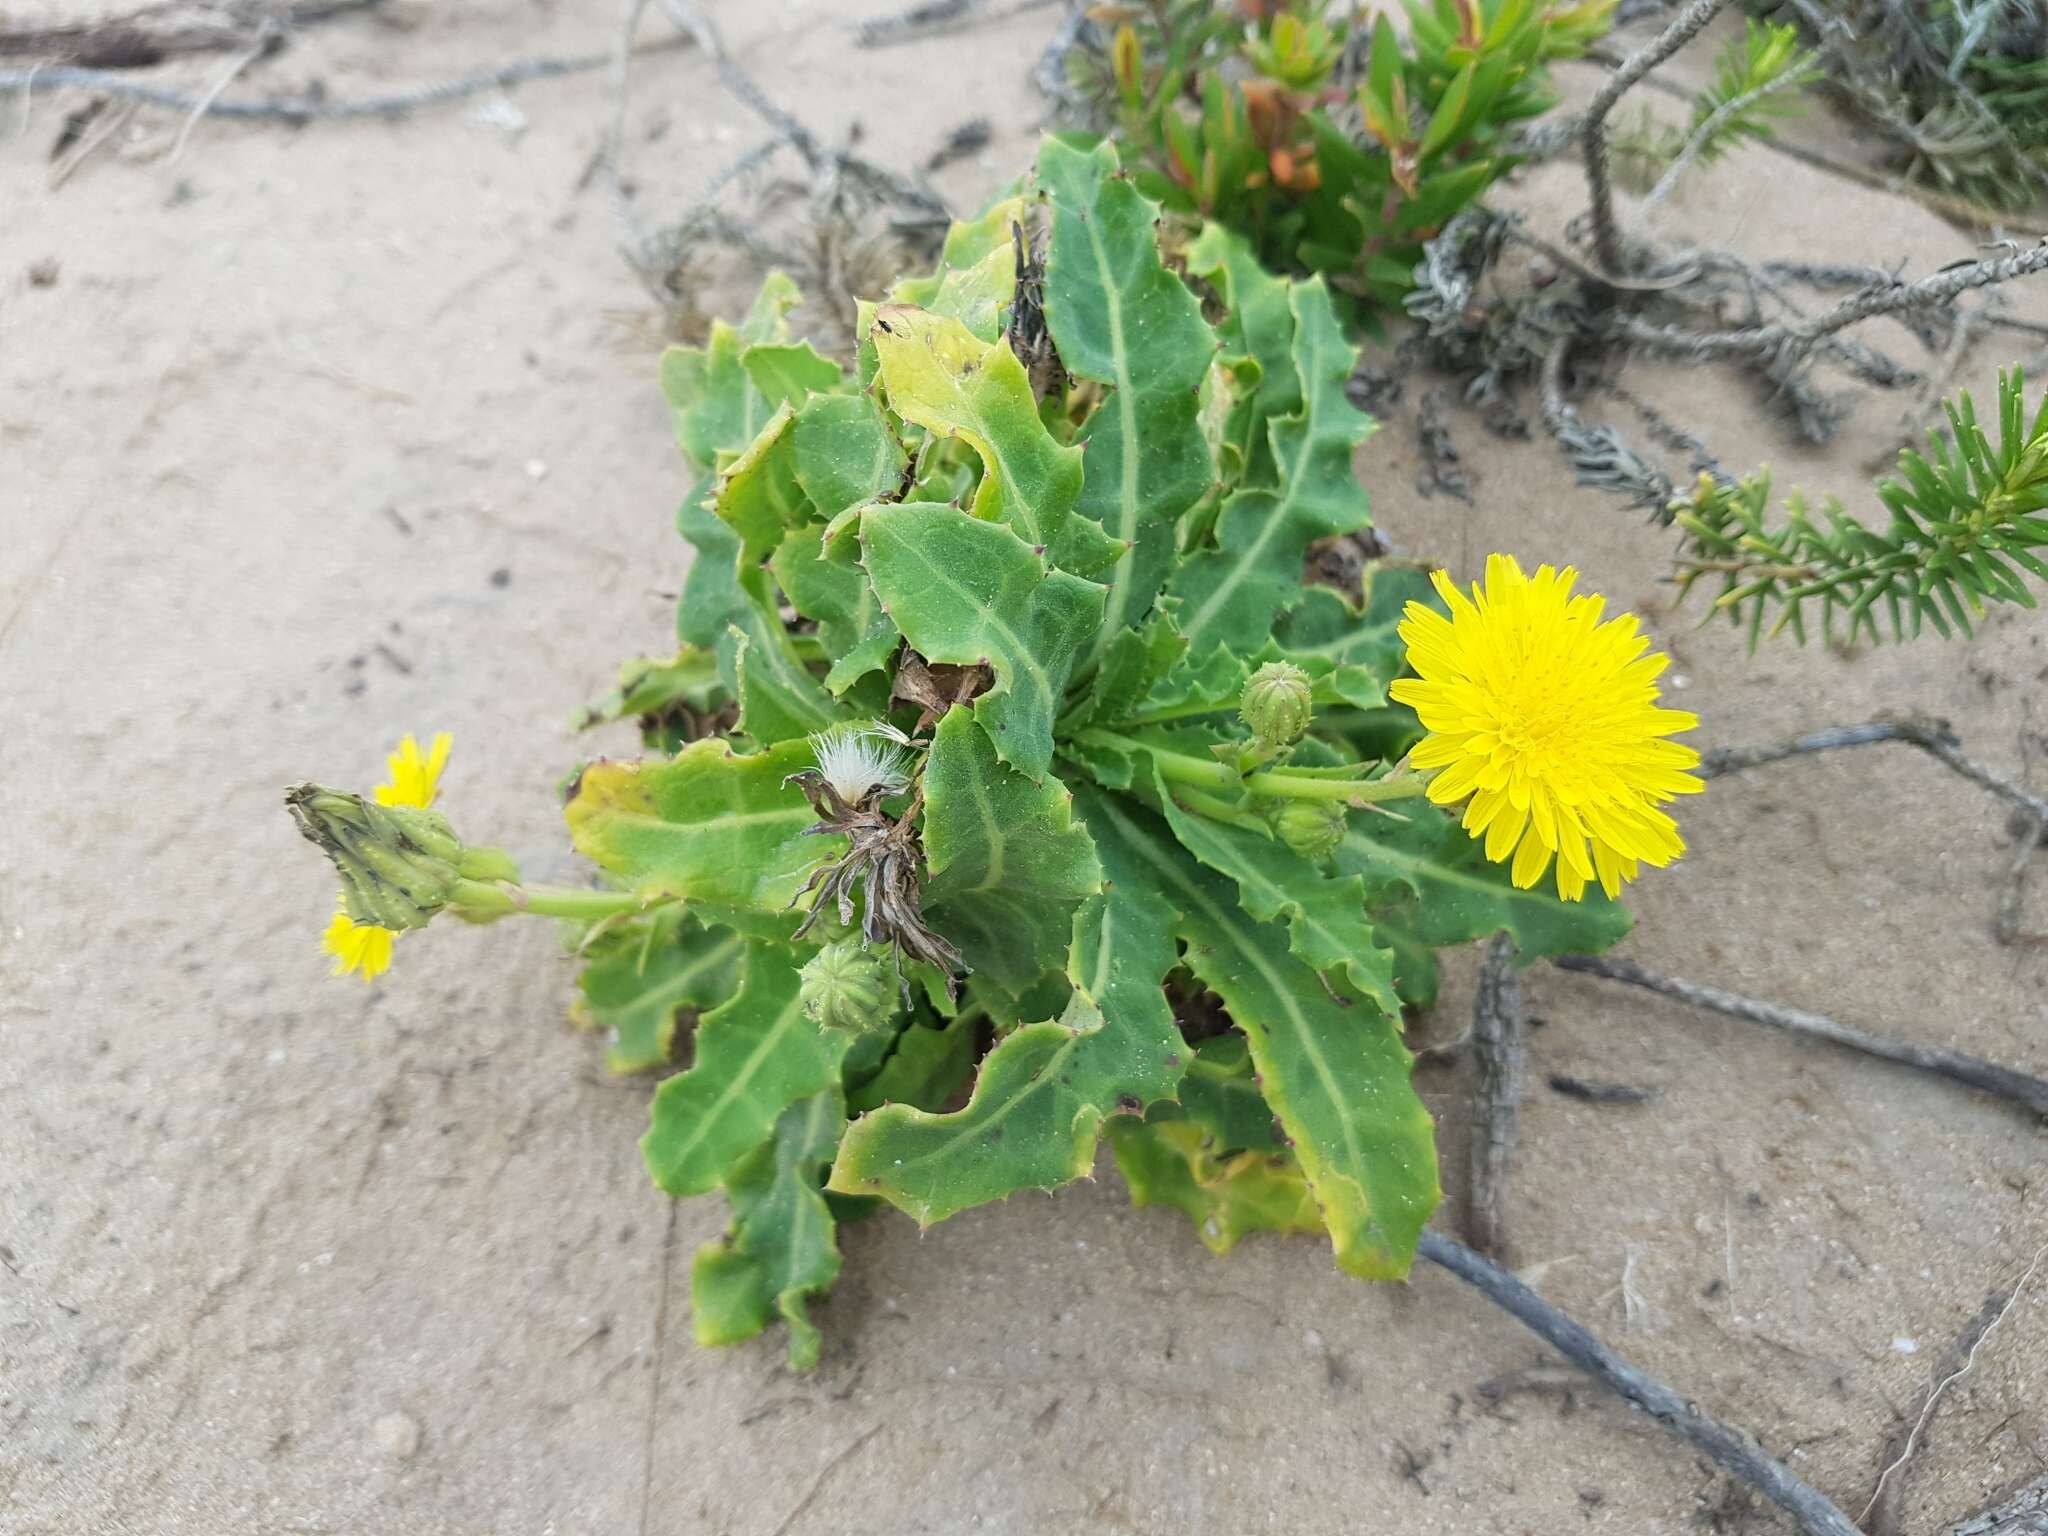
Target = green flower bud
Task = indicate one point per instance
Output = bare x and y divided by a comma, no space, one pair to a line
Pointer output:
846,986
1276,704
398,866
1312,828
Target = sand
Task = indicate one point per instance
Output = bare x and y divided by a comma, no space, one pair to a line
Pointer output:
320,436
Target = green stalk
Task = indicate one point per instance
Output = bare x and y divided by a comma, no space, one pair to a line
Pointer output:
475,898
1275,783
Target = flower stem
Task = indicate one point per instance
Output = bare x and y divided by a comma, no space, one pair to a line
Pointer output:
1276,783
476,898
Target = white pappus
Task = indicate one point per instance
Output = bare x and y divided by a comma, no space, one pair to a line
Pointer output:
858,759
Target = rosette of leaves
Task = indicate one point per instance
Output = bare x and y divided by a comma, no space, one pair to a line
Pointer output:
1039,533
1334,151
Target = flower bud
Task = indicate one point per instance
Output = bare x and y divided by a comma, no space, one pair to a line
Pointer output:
398,865
845,985
1276,704
1312,828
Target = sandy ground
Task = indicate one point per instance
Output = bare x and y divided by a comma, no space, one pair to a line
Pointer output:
322,436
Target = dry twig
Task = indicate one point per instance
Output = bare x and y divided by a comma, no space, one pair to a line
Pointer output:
1500,1043
306,109
1593,126
1880,1516
1971,1071
154,33
1793,341
1730,1449
2025,1513
1931,736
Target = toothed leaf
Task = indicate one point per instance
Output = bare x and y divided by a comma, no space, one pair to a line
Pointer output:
756,1055
781,1248
966,591
709,825
1009,865
1232,594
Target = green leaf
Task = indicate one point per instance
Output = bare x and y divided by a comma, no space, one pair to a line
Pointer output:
1225,1194
965,591
844,454
712,596
1325,917
1326,626
1332,1066
941,376
708,825
654,685
1008,864
927,1067
758,496
977,275
1032,1122
1429,885
1133,663
781,1249
1232,594
779,698
788,373
717,409
639,976
1259,328
756,1055
1122,318
1221,1095
829,587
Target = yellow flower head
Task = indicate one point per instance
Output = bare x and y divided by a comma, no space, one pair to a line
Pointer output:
360,948
364,949
1547,719
414,779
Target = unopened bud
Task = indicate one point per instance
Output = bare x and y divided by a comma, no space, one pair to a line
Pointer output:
845,985
1312,828
1276,704
398,866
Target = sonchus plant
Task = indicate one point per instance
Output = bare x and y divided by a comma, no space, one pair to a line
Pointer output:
1010,783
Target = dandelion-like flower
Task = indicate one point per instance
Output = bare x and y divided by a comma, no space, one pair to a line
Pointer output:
1546,717
364,949
857,760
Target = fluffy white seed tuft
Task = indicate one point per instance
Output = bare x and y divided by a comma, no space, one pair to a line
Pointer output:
857,760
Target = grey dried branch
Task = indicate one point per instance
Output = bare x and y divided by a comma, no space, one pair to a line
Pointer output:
2024,1513
153,33
1593,126
1881,1515
306,109
1796,340
1729,1448
1933,737
1972,1071
934,17
1500,1047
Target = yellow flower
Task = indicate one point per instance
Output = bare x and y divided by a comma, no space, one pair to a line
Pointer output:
364,949
414,779
1547,719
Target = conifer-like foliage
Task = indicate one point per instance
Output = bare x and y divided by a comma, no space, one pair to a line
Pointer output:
1967,528
1040,538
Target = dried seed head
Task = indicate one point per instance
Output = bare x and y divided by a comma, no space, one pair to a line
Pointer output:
858,760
